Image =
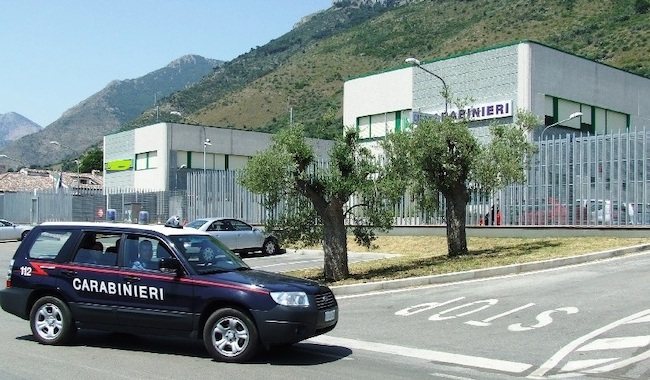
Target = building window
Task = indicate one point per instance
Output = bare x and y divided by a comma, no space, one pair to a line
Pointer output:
146,160
376,127
594,120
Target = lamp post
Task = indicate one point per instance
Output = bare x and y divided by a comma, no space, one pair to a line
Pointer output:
206,143
53,142
78,166
571,117
176,180
176,113
416,62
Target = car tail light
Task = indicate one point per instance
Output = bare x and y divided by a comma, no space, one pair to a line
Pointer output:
11,265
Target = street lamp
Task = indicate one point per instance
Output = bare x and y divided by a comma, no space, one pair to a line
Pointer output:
176,180
78,165
206,143
53,142
176,113
572,116
416,62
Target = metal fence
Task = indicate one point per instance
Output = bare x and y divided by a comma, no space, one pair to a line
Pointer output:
574,181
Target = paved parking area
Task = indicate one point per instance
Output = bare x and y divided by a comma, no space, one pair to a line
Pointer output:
295,259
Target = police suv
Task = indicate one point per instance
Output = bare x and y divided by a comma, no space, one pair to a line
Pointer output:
165,280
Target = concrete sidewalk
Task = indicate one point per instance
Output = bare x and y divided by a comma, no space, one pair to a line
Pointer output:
484,273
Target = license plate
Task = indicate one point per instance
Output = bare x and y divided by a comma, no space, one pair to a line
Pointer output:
330,315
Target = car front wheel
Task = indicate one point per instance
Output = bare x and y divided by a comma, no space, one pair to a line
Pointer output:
230,335
270,247
51,321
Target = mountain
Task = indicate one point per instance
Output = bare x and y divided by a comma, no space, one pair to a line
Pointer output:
14,126
300,75
106,111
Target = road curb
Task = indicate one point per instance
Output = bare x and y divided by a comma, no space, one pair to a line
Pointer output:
352,289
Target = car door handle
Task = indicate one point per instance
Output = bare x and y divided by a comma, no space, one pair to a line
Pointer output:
132,278
69,273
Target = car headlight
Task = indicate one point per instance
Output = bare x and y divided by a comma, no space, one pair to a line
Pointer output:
290,298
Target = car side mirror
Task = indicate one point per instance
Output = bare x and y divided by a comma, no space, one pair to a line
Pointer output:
170,264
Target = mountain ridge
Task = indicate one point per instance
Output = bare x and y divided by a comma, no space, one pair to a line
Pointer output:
299,76
14,126
84,125
304,80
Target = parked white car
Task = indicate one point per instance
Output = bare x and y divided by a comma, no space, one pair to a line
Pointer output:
238,235
11,231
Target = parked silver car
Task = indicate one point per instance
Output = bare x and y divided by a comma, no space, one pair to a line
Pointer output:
11,231
238,235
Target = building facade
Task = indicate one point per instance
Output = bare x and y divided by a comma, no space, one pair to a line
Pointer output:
158,157
492,84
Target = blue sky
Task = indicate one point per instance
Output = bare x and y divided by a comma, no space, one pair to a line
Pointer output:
56,53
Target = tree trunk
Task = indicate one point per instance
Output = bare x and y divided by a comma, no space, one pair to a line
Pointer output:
456,210
335,244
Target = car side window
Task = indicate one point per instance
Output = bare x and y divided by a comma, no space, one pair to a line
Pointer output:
48,244
97,248
226,225
143,252
240,226
215,226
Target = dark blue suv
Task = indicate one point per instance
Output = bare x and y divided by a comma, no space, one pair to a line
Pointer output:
147,279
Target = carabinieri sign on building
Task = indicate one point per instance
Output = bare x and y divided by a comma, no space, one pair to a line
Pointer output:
492,110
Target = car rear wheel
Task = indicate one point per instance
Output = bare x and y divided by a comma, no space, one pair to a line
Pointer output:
22,236
270,247
230,335
51,321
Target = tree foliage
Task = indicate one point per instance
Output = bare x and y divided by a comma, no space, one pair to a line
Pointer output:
92,159
443,157
314,195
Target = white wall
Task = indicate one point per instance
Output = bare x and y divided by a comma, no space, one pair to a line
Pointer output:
577,79
376,94
152,138
172,143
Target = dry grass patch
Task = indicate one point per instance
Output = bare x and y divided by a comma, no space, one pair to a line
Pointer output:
427,255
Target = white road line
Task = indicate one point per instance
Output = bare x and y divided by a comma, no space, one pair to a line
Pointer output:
566,350
448,376
435,356
495,278
617,343
621,364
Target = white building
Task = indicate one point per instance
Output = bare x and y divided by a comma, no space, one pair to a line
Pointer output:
499,80
157,157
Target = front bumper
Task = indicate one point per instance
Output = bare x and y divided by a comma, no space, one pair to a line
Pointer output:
286,325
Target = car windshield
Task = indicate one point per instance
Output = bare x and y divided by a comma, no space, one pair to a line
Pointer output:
196,223
206,254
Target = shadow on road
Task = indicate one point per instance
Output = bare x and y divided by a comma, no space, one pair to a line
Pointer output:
297,354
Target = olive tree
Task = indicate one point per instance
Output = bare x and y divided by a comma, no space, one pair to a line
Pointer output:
310,198
443,157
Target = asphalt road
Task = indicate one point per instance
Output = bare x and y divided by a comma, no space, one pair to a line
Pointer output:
591,319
